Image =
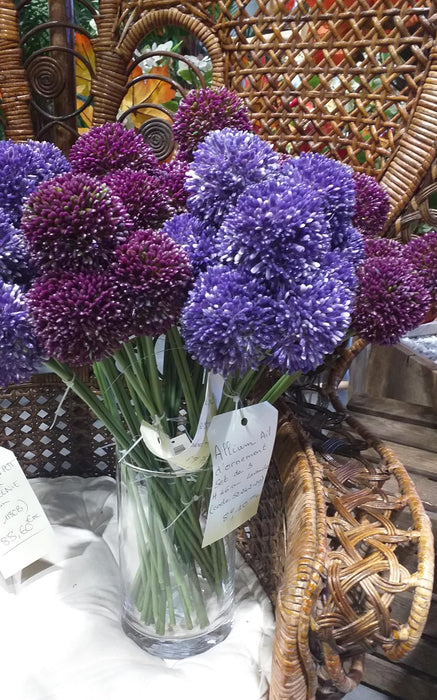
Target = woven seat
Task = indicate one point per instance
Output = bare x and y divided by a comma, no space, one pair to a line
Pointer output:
337,538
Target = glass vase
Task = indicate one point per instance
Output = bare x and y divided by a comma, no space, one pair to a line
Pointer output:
177,597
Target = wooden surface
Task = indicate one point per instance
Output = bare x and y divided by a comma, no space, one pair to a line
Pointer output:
411,431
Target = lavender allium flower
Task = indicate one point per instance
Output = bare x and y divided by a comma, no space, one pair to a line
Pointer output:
22,167
372,205
172,176
15,266
224,165
421,253
143,196
20,352
198,240
152,275
111,147
78,317
205,110
275,228
228,323
391,300
350,243
73,223
382,248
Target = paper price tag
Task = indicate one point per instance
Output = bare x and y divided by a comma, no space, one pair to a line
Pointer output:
241,444
25,532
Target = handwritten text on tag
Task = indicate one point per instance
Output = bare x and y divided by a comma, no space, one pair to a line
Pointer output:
241,444
25,532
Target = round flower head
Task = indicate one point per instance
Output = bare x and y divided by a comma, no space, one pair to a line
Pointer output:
421,253
111,147
152,275
172,176
224,165
78,317
350,243
143,196
372,205
198,240
14,257
335,186
205,110
312,318
391,300
228,323
22,167
274,229
73,223
382,248
20,352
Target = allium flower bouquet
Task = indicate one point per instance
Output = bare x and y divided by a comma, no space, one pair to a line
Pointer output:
231,265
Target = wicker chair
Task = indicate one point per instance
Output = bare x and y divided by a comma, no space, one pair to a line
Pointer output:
355,80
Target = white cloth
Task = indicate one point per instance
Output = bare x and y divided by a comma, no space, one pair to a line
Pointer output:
61,637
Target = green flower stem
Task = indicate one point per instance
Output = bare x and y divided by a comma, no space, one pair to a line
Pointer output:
147,349
107,370
127,359
280,386
183,370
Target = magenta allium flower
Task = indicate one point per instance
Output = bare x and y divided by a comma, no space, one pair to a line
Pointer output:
372,205
173,175
152,275
205,110
143,196
21,354
421,253
111,147
73,223
78,317
382,248
391,300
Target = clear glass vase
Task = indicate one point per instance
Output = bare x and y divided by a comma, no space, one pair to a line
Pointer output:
177,596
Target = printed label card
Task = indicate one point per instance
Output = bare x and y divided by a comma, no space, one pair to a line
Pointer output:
25,531
241,444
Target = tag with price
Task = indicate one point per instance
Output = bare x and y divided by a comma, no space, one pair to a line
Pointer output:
25,532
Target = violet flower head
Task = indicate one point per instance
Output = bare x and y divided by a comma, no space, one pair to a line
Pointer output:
198,240
20,351
391,300
143,196
172,176
224,165
152,275
111,147
22,167
382,248
421,253
275,228
228,323
78,317
73,223
372,205
15,266
205,110
311,319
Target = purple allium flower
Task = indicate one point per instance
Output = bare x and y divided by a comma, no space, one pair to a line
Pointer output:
372,205
205,110
22,167
312,319
77,317
143,196
382,248
350,243
228,323
152,275
15,266
421,253
275,228
391,300
198,240
173,175
20,352
224,165
73,223
334,183
111,147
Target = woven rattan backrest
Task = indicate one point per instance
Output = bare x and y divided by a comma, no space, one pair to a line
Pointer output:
354,79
